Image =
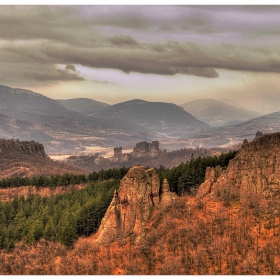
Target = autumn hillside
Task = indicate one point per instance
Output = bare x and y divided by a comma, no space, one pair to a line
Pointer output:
186,238
224,229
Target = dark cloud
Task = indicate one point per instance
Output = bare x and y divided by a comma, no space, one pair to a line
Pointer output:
143,59
70,67
55,24
121,41
35,39
30,74
206,72
163,59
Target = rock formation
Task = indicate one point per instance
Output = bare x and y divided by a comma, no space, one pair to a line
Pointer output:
117,151
133,204
147,154
255,170
25,147
144,149
167,197
28,158
211,176
259,134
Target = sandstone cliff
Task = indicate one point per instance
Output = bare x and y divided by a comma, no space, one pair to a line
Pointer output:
24,147
255,170
144,149
132,204
28,158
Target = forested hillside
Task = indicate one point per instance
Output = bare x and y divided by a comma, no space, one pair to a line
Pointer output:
59,218
65,217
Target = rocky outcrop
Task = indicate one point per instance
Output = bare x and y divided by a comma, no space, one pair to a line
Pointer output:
167,197
145,149
117,151
255,170
25,147
133,204
259,134
28,158
211,176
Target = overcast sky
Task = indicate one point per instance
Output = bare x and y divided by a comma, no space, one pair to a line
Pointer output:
156,53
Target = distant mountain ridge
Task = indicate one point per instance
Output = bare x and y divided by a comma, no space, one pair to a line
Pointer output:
84,106
234,134
219,113
27,115
160,117
32,107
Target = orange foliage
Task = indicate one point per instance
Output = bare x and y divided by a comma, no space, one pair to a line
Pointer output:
189,237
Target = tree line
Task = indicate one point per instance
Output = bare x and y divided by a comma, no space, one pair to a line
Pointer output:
182,179
63,180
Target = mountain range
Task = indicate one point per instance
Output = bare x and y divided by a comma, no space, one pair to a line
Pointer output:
27,115
165,118
219,113
234,134
84,106
31,116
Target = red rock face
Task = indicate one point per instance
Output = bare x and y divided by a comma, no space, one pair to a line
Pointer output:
132,205
255,170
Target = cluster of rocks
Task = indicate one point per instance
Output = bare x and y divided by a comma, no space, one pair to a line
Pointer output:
255,170
133,203
147,154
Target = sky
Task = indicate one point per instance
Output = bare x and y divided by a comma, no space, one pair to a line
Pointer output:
114,53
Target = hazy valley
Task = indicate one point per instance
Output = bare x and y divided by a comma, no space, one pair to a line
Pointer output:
26,115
